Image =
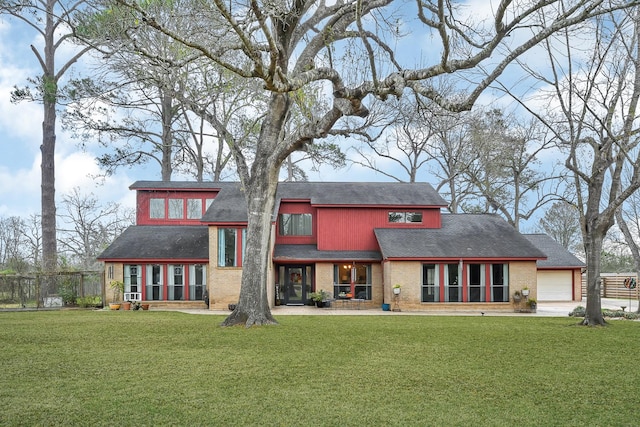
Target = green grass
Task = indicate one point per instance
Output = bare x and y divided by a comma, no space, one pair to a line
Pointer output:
169,368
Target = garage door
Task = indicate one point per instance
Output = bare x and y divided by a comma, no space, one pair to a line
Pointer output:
554,285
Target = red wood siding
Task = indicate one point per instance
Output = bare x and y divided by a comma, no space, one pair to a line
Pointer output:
352,228
142,205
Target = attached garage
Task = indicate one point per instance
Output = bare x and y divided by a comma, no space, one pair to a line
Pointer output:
556,273
555,285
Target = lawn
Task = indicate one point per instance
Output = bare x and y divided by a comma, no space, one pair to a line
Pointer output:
168,368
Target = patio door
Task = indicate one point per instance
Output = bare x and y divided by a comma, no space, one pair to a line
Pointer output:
297,284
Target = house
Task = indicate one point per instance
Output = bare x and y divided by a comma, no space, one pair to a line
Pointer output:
354,240
560,275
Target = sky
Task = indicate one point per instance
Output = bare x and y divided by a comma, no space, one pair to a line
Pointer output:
20,139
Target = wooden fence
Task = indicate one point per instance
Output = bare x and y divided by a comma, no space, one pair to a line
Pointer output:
616,285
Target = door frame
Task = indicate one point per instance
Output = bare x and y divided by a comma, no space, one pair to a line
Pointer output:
305,285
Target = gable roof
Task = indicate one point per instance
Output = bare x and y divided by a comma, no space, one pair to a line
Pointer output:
160,242
230,204
461,236
557,255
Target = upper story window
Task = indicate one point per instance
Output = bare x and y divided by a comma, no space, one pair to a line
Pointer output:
156,208
405,217
176,208
194,208
295,224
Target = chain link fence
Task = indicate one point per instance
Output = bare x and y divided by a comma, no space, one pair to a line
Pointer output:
51,290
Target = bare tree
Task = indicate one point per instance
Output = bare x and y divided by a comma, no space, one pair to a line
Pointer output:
87,227
345,48
593,112
561,222
12,256
505,166
51,20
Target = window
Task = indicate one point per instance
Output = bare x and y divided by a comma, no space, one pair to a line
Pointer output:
295,224
197,281
176,208
499,282
452,285
358,274
194,208
132,279
175,287
476,283
156,208
154,282
405,217
228,248
430,283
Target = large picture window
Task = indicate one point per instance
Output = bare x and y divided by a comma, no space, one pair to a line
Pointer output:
132,278
430,283
154,282
176,283
476,282
231,242
499,282
197,281
452,286
346,274
295,224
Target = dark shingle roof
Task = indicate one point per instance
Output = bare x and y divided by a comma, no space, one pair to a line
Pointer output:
178,185
160,242
362,193
557,255
310,252
461,236
230,204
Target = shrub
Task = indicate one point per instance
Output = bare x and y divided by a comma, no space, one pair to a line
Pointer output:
92,301
579,311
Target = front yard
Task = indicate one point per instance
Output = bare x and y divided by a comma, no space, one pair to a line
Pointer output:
168,368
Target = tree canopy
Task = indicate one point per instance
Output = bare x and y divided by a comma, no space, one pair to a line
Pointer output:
345,52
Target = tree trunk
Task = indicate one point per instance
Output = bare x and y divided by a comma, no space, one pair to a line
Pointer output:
253,305
166,104
260,193
48,150
593,250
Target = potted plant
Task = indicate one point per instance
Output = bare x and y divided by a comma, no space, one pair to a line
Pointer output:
525,291
319,298
532,303
396,289
118,289
517,296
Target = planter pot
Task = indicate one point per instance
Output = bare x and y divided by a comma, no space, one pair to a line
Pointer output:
144,306
525,292
114,306
396,291
517,298
126,306
320,304
386,307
